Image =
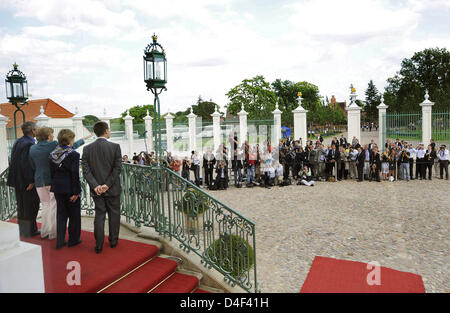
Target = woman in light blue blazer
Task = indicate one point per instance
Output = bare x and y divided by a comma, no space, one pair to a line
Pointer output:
39,159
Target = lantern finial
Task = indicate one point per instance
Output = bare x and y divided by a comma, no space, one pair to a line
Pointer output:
154,37
15,65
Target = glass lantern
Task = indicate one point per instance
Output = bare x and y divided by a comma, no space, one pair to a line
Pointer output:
155,65
16,86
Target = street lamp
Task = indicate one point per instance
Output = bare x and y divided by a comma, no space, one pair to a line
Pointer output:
155,77
16,86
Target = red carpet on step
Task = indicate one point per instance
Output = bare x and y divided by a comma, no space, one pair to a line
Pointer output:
97,270
328,275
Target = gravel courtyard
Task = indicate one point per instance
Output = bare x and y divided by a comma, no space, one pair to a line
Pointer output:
401,225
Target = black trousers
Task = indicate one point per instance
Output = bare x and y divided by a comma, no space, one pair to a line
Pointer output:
411,168
329,169
443,167
209,176
111,206
27,211
420,169
360,169
67,210
341,170
429,166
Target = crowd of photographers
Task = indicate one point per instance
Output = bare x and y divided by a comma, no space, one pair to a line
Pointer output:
293,161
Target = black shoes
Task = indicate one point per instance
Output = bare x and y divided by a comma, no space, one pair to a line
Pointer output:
98,250
74,244
113,244
58,247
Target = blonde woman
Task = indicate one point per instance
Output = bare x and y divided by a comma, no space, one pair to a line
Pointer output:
385,164
39,156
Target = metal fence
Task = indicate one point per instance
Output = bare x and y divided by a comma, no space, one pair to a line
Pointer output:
440,126
177,209
404,126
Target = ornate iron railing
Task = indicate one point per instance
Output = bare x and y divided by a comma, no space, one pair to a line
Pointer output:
8,204
177,209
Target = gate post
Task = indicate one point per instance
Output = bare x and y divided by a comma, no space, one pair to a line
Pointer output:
242,125
300,121
169,132
3,143
426,119
42,119
216,129
381,126
353,118
129,132
77,121
105,118
277,124
192,131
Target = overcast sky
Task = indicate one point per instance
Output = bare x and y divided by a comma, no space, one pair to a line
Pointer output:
88,53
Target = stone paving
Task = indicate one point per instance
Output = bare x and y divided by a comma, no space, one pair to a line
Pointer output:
401,225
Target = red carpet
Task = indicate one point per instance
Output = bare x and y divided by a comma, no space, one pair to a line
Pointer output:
129,267
328,275
178,283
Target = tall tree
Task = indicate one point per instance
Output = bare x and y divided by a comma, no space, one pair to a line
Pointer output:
428,69
204,109
139,112
372,100
255,96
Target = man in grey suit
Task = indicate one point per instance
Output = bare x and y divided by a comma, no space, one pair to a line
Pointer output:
102,164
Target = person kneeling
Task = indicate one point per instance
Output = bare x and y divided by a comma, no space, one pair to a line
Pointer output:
65,174
306,177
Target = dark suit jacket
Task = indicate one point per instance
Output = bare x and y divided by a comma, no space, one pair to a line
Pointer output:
360,159
102,164
330,155
21,172
66,176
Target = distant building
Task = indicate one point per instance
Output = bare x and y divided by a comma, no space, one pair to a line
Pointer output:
338,105
60,117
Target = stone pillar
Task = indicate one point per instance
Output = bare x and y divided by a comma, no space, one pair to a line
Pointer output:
3,143
216,129
381,111
426,119
21,267
148,128
300,123
277,125
129,132
106,118
77,121
42,119
169,132
242,125
192,131
353,118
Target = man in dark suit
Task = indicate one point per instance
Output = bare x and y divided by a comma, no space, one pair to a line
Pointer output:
375,165
332,157
21,177
360,164
102,164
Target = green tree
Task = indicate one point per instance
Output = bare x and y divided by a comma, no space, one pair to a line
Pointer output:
428,69
204,109
90,120
372,100
255,96
139,112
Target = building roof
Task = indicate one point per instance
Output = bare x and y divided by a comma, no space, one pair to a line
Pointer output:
32,110
340,105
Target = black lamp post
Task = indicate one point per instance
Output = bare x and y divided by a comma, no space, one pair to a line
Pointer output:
155,77
16,92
